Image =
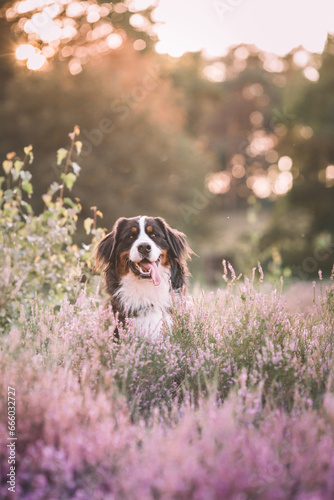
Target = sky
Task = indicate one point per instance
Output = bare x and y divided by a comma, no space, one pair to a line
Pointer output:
275,26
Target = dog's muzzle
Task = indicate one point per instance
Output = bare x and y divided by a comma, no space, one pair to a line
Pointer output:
145,269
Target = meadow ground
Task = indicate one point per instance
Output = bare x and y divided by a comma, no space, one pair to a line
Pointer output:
236,403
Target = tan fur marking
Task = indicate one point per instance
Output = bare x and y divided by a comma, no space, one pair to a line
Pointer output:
134,230
122,266
164,259
150,229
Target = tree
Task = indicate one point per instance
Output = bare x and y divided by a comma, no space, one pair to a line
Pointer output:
303,225
233,108
136,157
74,32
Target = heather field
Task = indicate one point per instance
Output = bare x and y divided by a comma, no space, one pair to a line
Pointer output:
235,403
216,117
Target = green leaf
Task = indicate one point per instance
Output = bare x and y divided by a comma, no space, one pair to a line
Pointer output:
25,175
78,145
55,186
27,186
88,224
76,168
8,195
18,164
61,155
69,180
28,151
7,165
70,202
15,174
27,207
46,215
47,198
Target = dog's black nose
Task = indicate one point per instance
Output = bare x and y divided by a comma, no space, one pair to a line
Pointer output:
144,249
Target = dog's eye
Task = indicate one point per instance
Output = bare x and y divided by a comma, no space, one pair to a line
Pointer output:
131,237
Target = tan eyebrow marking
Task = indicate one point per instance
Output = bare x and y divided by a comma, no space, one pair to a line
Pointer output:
133,230
150,229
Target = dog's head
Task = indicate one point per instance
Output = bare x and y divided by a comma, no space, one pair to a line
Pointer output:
141,245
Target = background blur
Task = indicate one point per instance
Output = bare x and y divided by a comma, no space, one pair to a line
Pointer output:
217,117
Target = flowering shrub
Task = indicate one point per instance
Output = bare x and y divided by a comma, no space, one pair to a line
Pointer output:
235,403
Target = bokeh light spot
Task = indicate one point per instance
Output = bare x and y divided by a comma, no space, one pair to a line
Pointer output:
36,61
75,66
285,163
139,44
261,187
219,183
301,58
330,172
256,118
238,171
114,41
311,74
215,72
283,183
25,51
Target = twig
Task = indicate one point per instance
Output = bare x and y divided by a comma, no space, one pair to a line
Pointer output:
72,136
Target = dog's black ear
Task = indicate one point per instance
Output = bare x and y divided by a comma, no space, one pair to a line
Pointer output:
177,242
104,253
179,251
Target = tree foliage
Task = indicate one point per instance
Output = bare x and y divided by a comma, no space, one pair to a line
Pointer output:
303,227
75,32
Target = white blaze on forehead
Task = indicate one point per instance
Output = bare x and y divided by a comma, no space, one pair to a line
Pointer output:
143,237
142,227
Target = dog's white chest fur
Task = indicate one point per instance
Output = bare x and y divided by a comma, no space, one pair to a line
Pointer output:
147,302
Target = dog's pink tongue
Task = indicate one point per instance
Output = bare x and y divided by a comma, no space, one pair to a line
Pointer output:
155,274
153,268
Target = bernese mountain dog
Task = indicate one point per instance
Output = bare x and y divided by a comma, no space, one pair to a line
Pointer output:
143,260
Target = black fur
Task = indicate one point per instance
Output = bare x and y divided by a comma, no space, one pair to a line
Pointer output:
121,239
179,252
